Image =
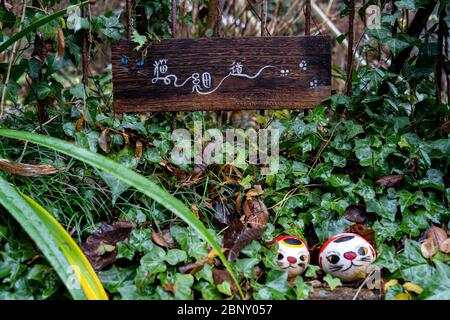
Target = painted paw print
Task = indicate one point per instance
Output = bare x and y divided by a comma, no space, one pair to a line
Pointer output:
303,65
284,72
313,84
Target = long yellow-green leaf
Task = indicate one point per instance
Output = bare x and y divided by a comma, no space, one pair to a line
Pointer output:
55,243
130,177
37,24
81,266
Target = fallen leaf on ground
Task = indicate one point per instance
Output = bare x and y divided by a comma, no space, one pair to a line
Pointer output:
390,283
256,191
224,213
356,213
163,239
437,234
445,246
366,232
237,237
138,150
104,141
197,175
390,181
436,237
411,287
193,268
256,213
403,296
100,248
27,170
169,287
428,248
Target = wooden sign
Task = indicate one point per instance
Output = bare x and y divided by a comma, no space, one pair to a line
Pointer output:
222,74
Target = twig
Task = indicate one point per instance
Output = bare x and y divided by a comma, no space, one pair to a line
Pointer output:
307,17
351,18
11,61
440,56
263,18
129,23
362,285
174,35
174,18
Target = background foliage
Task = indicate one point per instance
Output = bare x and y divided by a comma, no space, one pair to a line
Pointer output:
330,157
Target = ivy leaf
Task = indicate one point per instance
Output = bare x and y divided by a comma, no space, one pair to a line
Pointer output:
139,39
407,199
302,289
182,286
396,45
432,180
332,281
385,208
439,288
406,4
393,291
205,273
386,230
386,258
43,90
352,129
277,282
311,271
175,256
364,190
225,288
246,266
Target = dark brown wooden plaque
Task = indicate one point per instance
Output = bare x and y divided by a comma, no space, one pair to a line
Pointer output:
222,74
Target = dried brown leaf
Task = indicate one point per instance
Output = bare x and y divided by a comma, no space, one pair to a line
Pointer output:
61,43
438,235
428,248
27,170
100,248
169,287
163,239
126,139
252,193
138,150
445,246
195,210
104,141
158,239
390,181
193,268
256,213
243,240
362,230
232,233
224,213
356,213
79,124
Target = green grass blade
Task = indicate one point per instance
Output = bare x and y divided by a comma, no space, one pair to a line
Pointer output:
130,177
37,24
55,243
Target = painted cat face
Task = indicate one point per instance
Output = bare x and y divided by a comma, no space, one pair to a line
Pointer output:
129,65
346,256
293,255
